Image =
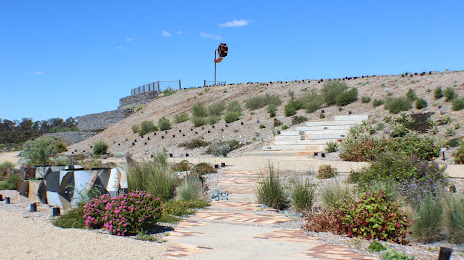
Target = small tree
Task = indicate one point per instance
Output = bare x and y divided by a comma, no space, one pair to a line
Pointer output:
147,127
39,151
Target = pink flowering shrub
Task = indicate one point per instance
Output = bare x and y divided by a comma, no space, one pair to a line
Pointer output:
124,215
94,211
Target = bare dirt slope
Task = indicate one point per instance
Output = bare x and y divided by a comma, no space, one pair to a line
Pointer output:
120,138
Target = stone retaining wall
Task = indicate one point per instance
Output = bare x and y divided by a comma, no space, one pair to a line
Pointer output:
100,121
73,137
137,99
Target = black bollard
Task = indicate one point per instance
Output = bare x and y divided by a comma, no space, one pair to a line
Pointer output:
180,131
322,111
56,212
1,197
350,112
223,165
148,138
154,133
183,134
212,126
186,155
241,123
173,136
165,132
322,155
162,137
340,109
119,144
445,253
33,207
7,200
170,155
216,166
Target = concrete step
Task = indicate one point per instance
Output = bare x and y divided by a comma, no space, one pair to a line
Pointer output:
272,153
302,147
312,131
352,118
307,137
303,142
334,123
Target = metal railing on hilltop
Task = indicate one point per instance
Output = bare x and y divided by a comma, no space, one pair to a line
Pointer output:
155,86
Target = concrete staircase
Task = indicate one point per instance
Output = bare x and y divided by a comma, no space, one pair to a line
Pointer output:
312,138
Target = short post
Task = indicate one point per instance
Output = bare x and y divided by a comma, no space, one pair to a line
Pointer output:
159,89
445,253
56,212
7,200
33,207
180,85
1,197
204,83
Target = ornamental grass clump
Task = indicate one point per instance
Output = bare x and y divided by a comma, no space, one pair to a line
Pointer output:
334,194
428,224
271,191
124,215
191,188
455,218
303,196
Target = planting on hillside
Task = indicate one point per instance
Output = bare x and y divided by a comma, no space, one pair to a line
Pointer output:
262,101
331,90
396,105
39,151
100,147
164,124
271,191
147,127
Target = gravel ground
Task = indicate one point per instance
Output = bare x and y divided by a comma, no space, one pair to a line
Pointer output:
26,235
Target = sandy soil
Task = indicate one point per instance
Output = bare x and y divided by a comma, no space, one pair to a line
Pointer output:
10,156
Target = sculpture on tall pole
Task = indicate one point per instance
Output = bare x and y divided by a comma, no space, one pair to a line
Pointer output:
222,51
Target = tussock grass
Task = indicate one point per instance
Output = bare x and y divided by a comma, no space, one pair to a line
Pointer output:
428,223
302,196
335,193
191,188
271,191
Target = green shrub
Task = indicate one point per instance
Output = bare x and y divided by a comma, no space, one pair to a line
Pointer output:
216,109
194,144
285,127
155,177
449,93
220,149
365,99
331,90
427,226
334,194
377,102
6,165
262,126
181,117
261,101
183,166
213,119
302,196
421,103
396,105
455,218
457,104
234,106
376,246
60,161
326,172
363,148
39,151
12,179
164,124
272,109
199,110
438,93
271,191
299,119
331,147
373,216
182,207
203,168
311,101
394,255
398,130
411,95
100,147
198,121
191,188
459,154
73,218
289,110
230,117
347,97
135,129
147,127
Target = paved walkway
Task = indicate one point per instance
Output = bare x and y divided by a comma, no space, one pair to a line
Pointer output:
241,229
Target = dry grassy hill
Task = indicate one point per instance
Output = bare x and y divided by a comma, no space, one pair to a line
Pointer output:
120,137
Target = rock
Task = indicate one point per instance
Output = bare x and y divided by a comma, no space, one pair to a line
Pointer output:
218,195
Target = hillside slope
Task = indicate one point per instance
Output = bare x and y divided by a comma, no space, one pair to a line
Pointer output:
120,137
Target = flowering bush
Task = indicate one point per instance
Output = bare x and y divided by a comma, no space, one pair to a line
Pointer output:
123,215
373,216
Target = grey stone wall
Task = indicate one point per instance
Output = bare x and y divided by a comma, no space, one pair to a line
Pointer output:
100,121
137,99
73,137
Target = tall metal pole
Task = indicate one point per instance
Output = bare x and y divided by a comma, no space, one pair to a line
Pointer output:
215,67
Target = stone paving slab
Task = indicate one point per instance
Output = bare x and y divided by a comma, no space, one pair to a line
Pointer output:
239,217
240,205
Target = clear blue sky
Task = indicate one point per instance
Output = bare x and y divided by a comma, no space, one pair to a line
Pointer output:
71,58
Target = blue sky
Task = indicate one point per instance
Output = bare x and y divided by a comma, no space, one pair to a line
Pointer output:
71,58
